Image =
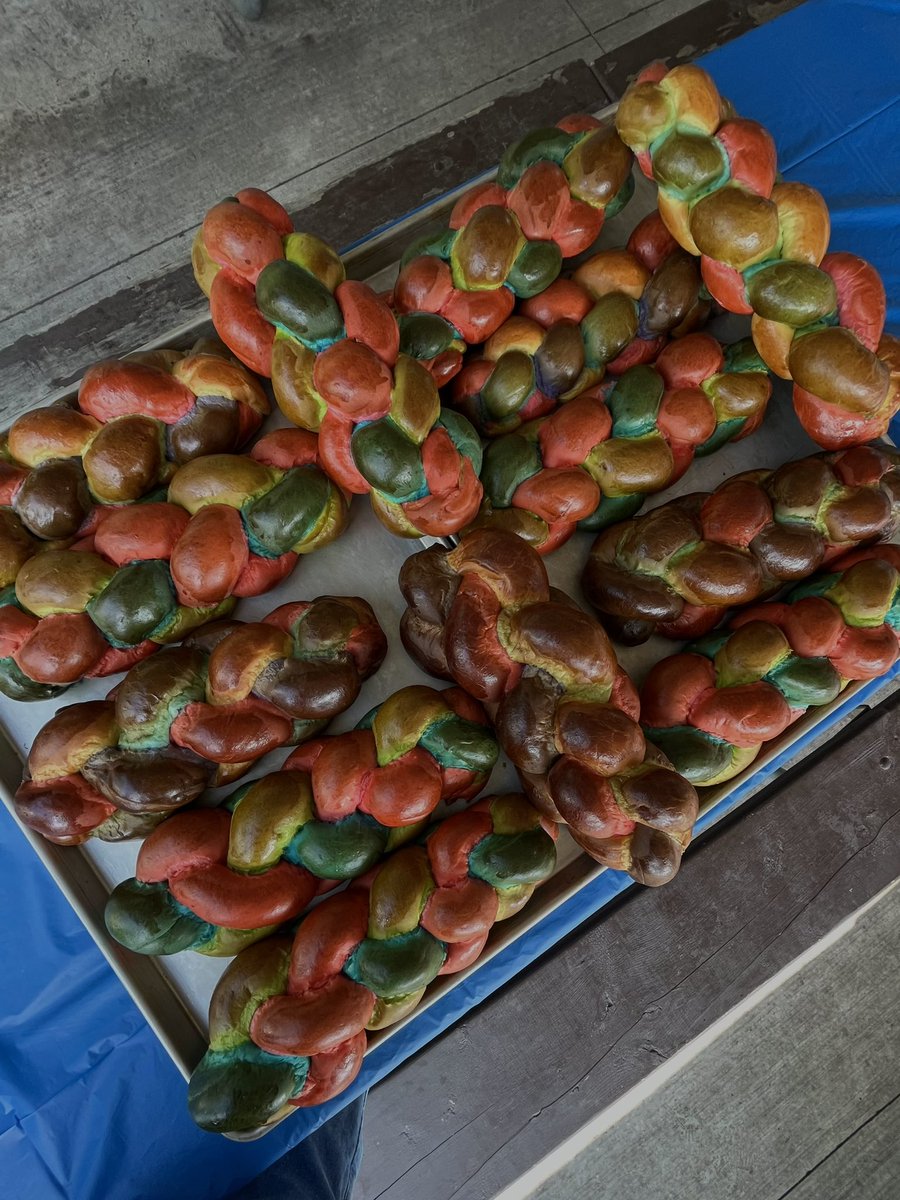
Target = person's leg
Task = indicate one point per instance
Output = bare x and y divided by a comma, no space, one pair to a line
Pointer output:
323,1167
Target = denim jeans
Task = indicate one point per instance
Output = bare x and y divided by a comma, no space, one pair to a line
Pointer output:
323,1167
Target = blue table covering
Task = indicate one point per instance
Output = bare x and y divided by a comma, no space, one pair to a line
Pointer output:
90,1105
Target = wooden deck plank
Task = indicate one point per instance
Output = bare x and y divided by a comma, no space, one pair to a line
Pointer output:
630,988
794,1099
173,106
866,1166
685,32
615,27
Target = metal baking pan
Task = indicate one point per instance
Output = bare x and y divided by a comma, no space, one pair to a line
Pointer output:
173,993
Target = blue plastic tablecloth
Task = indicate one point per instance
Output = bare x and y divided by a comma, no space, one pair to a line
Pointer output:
91,1108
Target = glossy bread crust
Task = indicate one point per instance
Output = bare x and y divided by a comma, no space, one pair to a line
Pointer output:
676,569
195,716
818,318
565,712
712,708
214,880
288,1020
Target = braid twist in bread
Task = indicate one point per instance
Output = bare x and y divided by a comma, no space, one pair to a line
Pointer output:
616,311
595,459
818,318
712,708
213,880
288,1019
565,712
281,301
196,716
135,420
676,569
507,237
145,575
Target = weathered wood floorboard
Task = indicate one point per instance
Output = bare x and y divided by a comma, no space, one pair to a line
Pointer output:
117,155
865,1166
798,1098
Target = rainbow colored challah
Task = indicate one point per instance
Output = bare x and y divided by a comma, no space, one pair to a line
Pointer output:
616,311
288,1019
565,712
214,880
146,574
507,237
281,301
134,422
676,569
712,708
818,318
595,459
196,716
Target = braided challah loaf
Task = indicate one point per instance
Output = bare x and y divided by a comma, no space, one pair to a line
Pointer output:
675,569
595,459
565,712
712,708
508,237
17,545
287,1020
196,716
616,311
134,422
278,327
818,318
213,880
149,573
332,346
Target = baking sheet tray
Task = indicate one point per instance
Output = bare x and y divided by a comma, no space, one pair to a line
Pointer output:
173,992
